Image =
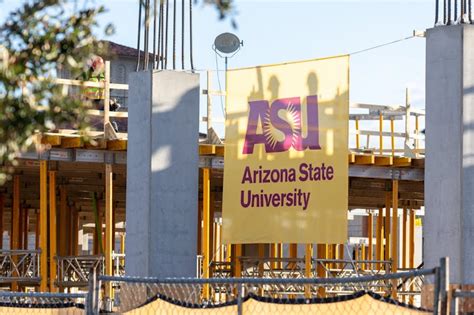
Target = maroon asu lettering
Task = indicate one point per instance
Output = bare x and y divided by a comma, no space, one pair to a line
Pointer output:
281,125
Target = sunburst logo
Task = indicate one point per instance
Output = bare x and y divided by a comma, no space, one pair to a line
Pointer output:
281,124
272,133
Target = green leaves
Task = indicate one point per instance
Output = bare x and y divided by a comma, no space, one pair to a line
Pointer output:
38,40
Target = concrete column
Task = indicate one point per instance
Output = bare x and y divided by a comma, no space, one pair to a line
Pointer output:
449,168
162,174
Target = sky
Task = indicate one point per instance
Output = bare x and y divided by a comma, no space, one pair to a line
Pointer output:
278,31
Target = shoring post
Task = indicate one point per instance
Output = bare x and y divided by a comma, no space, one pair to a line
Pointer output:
2,208
321,272
109,237
308,268
43,227
52,231
261,257
411,256
63,226
378,236
394,246
206,191
370,235
15,224
293,253
388,196
404,244
444,285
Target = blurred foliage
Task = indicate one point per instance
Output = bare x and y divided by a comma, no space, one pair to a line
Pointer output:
226,9
39,38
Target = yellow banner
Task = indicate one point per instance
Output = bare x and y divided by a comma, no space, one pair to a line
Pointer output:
286,167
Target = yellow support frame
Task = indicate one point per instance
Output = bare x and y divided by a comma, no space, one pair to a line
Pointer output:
15,226
308,267
52,231
206,213
394,245
43,225
388,197
109,237
370,236
378,238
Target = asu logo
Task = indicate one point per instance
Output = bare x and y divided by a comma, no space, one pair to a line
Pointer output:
281,125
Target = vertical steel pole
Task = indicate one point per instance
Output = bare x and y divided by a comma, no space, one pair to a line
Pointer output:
308,268
370,235
388,197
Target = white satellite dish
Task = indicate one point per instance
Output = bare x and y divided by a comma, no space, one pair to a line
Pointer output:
227,43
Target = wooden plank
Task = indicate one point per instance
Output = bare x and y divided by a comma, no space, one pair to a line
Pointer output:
52,140
117,145
401,161
207,149
351,158
220,150
420,163
364,159
383,160
71,142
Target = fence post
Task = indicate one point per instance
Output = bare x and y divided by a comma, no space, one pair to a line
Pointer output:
90,299
454,303
240,291
444,285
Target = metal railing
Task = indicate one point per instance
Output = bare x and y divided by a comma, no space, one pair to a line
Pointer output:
19,266
74,271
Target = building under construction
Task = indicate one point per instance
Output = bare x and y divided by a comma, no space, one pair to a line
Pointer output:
64,210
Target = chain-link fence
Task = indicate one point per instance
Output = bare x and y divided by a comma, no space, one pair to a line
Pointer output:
376,294
42,303
462,301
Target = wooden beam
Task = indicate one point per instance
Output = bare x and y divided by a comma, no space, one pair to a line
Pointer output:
206,211
404,236
117,145
383,160
52,231
52,140
109,237
72,142
238,265
220,150
293,253
394,235
364,159
207,149
351,158
401,161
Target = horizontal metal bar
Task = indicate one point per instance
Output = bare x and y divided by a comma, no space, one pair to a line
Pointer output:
19,279
19,251
463,294
43,295
96,112
320,281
